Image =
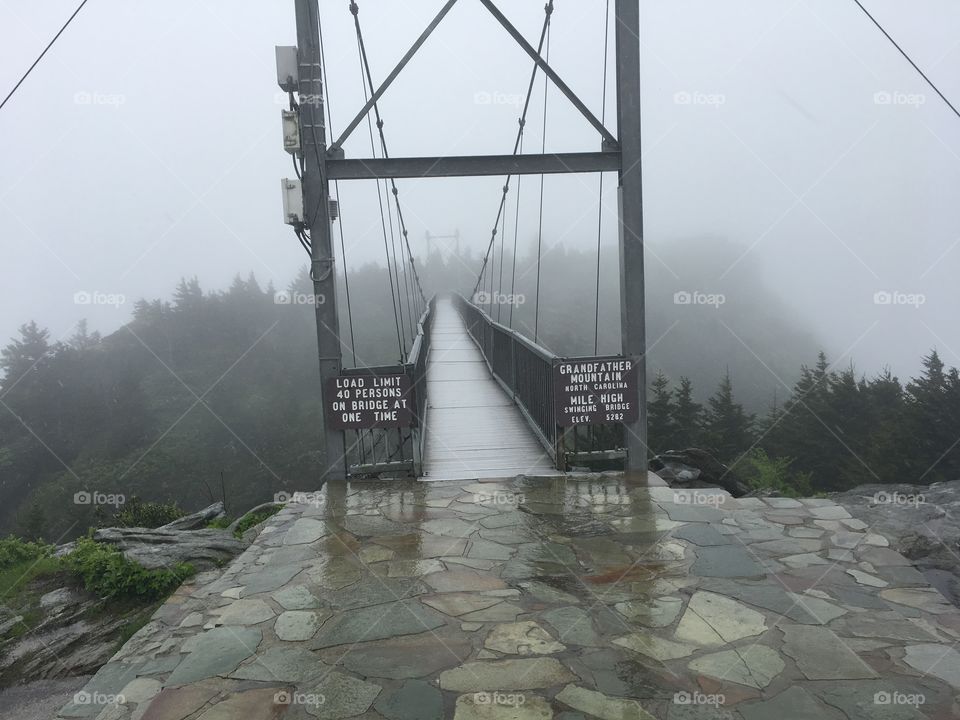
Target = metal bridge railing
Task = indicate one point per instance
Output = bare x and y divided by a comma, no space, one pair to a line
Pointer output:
395,450
525,371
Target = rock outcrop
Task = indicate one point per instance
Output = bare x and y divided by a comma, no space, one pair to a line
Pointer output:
921,521
73,636
164,548
62,630
696,468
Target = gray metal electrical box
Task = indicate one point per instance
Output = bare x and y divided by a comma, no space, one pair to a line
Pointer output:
288,67
291,131
292,201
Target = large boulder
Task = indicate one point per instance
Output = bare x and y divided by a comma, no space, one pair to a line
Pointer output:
165,548
922,522
696,468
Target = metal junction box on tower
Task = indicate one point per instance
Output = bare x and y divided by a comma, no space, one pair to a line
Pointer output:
291,131
292,201
288,68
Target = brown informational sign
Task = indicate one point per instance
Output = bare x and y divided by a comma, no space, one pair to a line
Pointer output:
362,402
594,390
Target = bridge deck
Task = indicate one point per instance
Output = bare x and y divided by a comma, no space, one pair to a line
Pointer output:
473,429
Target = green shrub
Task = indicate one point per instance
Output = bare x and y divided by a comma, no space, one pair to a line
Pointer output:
761,472
137,513
104,570
14,551
251,519
221,523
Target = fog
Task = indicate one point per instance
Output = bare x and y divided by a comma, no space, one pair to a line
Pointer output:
146,146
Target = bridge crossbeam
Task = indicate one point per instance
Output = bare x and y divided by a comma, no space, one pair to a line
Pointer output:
470,165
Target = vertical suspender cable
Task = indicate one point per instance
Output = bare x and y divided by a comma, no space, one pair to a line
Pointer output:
383,222
548,12
336,188
543,149
503,239
603,117
516,231
409,284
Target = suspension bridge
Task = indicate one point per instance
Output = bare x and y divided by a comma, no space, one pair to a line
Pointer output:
472,396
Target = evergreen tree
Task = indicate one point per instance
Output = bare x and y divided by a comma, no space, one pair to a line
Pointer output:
802,431
688,414
25,355
729,429
661,426
929,411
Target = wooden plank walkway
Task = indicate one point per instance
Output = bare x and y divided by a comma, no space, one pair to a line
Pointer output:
473,428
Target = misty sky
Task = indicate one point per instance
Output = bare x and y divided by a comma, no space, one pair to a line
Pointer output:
146,146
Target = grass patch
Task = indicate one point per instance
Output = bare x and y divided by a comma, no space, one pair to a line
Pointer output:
19,591
220,523
14,578
251,519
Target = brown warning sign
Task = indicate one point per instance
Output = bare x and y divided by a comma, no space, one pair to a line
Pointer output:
595,390
363,402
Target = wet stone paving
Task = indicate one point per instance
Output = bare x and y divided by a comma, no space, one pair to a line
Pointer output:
566,598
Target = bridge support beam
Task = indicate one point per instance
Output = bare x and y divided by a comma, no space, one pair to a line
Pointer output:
316,203
472,165
630,202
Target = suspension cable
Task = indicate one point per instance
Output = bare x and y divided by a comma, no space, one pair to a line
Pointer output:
909,60
544,33
499,299
516,232
40,57
543,149
503,239
336,188
415,284
603,117
394,292
401,266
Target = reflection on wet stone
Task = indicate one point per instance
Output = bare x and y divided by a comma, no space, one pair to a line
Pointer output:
588,598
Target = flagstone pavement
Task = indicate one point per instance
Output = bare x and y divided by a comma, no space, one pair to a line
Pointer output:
569,598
